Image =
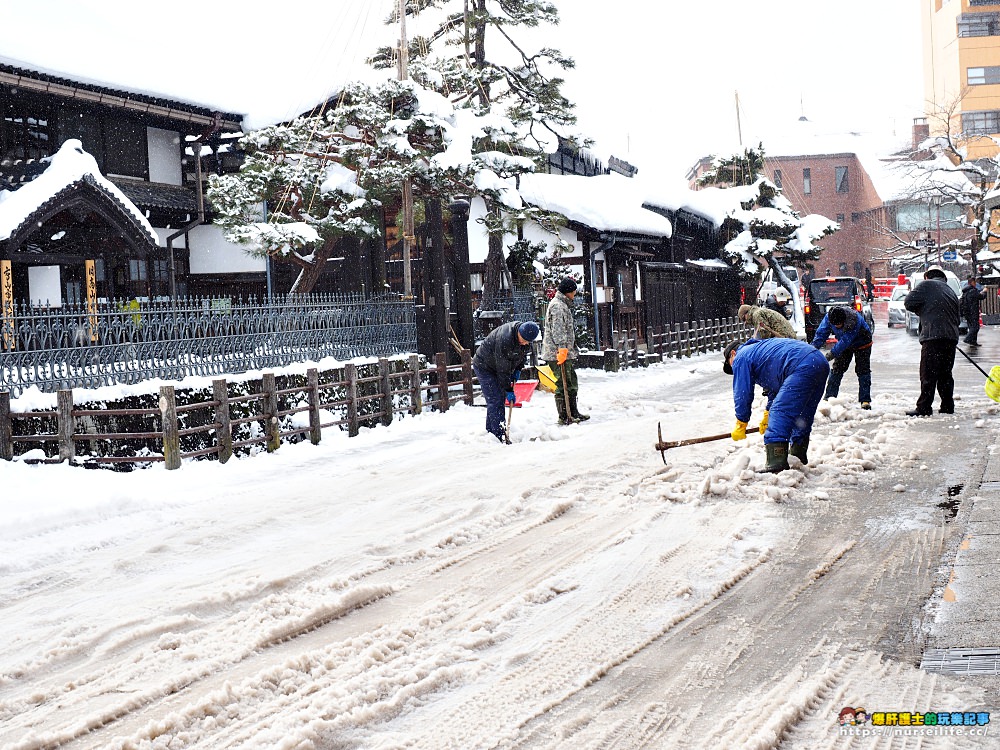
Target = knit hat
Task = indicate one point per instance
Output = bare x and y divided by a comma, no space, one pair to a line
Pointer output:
730,348
742,312
837,316
567,285
528,331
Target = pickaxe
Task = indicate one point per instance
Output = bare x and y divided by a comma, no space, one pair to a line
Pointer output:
663,447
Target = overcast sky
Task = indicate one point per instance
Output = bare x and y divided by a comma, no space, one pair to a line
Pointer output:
656,83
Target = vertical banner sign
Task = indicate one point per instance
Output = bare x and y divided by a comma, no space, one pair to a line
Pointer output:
7,304
91,274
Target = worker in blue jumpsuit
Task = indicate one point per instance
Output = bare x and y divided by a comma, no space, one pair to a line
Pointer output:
854,341
794,375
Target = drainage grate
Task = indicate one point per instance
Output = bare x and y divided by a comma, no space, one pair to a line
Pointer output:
962,660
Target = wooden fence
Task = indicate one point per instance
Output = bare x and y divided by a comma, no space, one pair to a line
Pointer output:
678,340
434,387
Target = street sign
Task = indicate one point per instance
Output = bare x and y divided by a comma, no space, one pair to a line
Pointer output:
949,255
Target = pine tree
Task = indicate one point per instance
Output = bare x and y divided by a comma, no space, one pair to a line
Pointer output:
473,58
766,230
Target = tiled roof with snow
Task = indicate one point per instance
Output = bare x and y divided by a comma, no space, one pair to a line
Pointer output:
67,166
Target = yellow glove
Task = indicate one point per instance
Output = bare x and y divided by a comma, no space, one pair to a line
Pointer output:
763,422
739,431
561,356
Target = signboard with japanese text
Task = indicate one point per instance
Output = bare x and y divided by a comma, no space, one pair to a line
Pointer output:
7,304
90,271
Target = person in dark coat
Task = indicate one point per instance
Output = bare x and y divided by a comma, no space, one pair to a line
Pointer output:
498,364
972,295
936,304
854,341
793,374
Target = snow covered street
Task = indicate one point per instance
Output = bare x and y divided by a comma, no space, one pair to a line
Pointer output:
423,586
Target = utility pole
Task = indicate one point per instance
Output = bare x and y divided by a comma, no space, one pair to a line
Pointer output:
739,127
408,231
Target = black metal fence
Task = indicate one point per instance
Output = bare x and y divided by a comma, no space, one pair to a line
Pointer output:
126,341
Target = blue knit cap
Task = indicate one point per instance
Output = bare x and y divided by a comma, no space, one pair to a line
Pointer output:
528,331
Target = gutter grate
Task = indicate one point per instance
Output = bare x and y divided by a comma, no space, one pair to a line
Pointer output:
985,661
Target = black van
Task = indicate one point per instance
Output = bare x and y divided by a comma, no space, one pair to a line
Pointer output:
832,291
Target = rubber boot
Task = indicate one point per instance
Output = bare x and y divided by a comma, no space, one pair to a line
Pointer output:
575,413
800,450
777,458
564,418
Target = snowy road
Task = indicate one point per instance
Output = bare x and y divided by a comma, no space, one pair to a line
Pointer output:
422,586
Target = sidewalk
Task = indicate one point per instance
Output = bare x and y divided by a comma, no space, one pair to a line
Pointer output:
965,637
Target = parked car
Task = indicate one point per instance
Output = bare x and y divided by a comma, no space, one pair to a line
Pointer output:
913,320
831,291
897,313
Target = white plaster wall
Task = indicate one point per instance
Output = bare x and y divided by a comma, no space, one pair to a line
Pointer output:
211,253
164,156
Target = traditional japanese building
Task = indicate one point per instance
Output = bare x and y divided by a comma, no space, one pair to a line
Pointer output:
101,193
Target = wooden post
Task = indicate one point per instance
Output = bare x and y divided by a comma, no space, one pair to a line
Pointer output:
650,340
171,436
416,392
385,387
272,426
468,375
351,375
315,431
6,428
64,418
441,362
224,432
612,360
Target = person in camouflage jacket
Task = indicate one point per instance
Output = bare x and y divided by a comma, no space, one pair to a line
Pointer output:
767,324
559,349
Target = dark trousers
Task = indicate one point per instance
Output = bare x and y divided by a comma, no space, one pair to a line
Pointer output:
495,394
937,358
972,337
862,367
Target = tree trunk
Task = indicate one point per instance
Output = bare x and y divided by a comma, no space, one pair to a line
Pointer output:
492,272
311,272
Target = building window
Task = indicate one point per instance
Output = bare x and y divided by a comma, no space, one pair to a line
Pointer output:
982,2
25,131
840,218
843,186
807,185
161,270
983,76
599,272
855,217
137,270
981,123
979,24
777,178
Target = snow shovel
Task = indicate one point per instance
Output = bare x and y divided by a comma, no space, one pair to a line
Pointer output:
546,378
522,395
992,377
662,447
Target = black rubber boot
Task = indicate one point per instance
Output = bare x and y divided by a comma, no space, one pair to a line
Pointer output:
777,458
800,450
575,413
564,418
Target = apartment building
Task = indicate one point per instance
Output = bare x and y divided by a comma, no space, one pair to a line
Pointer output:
962,69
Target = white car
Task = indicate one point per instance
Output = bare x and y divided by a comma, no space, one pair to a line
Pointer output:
897,313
